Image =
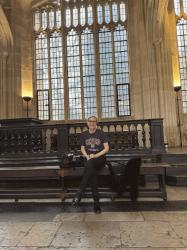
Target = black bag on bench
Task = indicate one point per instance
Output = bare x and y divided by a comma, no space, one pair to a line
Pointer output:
130,178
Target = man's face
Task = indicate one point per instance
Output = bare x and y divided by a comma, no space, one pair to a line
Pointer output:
92,123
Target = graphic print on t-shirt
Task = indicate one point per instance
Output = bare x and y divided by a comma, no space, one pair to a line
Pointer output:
92,143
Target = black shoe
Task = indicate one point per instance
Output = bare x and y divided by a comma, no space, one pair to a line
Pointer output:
76,200
134,193
97,208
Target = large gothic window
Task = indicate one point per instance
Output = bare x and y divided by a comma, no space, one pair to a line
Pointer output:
181,17
81,60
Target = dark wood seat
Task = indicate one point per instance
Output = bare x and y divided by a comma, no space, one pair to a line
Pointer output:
151,166
115,168
17,170
29,167
38,168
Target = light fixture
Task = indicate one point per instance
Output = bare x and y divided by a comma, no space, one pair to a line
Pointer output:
177,88
27,99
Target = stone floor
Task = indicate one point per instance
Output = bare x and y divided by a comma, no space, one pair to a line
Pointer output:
52,229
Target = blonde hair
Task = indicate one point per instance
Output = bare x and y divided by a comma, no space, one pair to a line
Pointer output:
93,116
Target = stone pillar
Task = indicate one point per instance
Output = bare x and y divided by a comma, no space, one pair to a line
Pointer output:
3,87
150,65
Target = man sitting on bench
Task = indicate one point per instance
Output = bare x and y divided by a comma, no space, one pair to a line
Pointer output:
94,146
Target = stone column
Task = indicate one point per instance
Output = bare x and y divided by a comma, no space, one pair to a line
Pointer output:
22,32
3,86
150,64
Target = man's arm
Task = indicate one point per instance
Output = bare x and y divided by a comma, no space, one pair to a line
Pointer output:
83,151
104,151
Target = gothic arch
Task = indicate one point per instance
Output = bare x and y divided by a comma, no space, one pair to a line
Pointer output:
37,3
154,18
6,41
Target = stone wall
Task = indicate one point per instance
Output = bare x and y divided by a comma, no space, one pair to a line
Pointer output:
150,64
152,47
9,88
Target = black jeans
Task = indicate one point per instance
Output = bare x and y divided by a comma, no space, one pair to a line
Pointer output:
92,167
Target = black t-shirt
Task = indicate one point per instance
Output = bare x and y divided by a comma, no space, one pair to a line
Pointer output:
93,142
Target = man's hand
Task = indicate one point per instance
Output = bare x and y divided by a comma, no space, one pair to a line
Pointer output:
92,156
87,157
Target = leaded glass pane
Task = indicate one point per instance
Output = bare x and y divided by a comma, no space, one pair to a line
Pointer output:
37,20
74,78
75,16
82,16
122,12
100,14
177,7
90,14
122,70
44,20
115,16
51,19
106,73
57,76
185,6
43,105
182,50
123,99
107,13
88,68
41,64
68,17
58,18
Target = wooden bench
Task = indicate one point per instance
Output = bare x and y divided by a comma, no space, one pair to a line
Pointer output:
115,167
177,174
45,168
18,170
158,170
151,166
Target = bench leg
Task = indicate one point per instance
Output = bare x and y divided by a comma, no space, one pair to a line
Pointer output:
62,183
162,186
113,178
62,195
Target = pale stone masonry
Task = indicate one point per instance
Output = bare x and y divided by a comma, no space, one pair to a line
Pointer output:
153,59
